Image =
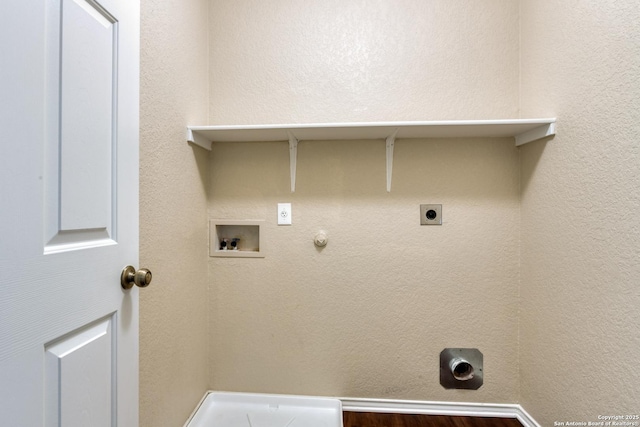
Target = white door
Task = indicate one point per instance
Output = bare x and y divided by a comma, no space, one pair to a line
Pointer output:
68,212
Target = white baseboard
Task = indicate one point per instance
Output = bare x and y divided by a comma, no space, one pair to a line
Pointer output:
498,410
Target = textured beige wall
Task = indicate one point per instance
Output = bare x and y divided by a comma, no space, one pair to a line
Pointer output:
173,225
329,60
369,314
580,203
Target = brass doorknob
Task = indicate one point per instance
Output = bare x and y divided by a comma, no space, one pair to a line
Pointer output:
130,277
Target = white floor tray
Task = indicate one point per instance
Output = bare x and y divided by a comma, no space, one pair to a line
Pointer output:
266,410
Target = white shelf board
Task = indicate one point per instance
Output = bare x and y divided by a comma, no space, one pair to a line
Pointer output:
518,128
522,130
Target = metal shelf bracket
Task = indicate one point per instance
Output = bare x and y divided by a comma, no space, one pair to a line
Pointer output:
293,159
391,140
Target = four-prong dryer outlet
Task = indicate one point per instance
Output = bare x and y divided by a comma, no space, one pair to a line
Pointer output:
430,214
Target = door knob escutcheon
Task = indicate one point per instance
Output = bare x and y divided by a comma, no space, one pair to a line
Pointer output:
130,277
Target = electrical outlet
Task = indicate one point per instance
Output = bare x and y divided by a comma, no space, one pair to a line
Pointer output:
284,213
430,214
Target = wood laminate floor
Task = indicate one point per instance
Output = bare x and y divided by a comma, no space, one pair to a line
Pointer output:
370,419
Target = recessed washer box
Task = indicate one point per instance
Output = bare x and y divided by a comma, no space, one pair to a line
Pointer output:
235,238
266,410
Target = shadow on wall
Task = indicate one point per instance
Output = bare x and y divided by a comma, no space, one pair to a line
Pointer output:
465,169
529,158
202,163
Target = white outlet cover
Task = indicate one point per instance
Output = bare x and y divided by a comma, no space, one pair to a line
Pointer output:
284,213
